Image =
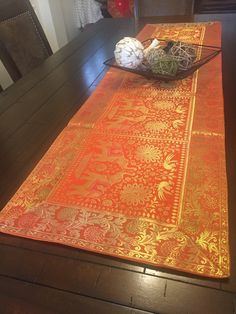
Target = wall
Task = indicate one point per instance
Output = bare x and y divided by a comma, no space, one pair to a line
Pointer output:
44,14
58,21
69,18
5,79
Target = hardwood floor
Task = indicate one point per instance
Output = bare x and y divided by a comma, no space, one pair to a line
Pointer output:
37,277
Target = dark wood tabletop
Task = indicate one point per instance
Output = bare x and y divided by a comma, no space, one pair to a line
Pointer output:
37,277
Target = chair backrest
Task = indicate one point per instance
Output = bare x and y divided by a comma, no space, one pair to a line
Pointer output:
163,7
215,6
23,44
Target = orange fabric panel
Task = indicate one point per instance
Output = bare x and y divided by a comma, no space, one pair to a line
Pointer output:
139,172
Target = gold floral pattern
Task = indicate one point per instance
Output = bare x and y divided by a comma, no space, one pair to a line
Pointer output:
149,153
141,175
164,105
156,126
135,194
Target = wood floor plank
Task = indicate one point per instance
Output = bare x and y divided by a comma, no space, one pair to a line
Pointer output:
109,284
68,99
106,283
192,299
188,278
12,305
67,252
100,77
20,264
17,146
25,298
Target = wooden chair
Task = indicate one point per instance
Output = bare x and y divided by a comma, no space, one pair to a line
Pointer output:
144,8
215,6
23,44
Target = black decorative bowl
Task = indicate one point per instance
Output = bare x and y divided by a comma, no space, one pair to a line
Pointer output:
204,55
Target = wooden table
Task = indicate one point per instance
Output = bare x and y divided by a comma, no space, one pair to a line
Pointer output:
44,278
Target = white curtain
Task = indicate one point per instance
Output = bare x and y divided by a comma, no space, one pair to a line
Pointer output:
87,11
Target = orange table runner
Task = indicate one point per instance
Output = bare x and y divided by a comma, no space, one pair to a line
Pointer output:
139,172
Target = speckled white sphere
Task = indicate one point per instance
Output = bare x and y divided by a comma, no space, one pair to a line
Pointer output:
129,52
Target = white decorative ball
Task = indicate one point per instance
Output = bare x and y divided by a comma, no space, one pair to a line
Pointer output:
129,52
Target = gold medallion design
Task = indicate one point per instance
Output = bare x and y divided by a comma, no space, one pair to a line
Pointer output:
149,153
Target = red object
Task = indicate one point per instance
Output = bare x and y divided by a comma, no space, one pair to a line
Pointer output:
123,7
120,8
